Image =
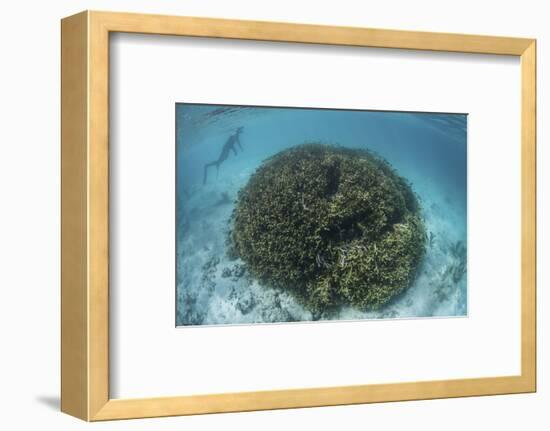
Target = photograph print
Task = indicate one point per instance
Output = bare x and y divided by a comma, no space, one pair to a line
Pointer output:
292,214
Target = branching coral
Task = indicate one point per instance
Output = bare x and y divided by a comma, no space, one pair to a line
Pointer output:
333,225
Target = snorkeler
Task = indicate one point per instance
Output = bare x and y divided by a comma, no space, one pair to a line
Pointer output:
228,146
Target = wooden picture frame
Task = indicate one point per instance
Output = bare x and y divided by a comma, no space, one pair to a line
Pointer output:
85,216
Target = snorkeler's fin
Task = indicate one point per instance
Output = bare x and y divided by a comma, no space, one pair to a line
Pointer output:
205,173
206,170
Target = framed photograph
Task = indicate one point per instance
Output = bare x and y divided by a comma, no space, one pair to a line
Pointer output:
261,215
296,228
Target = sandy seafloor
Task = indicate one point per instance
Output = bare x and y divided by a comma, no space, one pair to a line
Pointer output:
427,149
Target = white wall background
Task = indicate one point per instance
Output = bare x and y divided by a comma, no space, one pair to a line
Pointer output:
29,216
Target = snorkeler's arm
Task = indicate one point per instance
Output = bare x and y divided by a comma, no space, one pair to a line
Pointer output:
239,142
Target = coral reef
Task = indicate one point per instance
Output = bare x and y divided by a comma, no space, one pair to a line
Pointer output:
193,300
458,268
431,239
331,225
235,273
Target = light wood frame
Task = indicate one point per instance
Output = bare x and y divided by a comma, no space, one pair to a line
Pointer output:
85,215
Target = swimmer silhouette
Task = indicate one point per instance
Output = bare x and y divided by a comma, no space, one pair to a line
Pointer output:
228,146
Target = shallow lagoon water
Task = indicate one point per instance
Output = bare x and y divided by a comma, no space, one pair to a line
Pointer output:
429,150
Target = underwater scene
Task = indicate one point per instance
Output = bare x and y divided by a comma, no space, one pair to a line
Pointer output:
308,214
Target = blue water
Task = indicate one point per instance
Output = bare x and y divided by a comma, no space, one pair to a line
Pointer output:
428,149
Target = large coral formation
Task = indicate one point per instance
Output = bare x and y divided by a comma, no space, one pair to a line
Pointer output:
333,225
